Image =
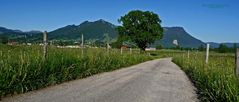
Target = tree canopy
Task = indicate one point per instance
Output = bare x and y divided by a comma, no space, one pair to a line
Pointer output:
3,39
140,27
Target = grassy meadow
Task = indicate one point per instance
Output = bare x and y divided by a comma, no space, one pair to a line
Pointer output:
23,69
215,81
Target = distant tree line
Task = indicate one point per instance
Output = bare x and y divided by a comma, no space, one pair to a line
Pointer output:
221,49
225,49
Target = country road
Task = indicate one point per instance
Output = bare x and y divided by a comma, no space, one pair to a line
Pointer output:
153,81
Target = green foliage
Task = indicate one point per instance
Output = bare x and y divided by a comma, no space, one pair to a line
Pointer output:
235,46
142,28
159,47
116,44
201,48
3,40
222,48
64,42
22,68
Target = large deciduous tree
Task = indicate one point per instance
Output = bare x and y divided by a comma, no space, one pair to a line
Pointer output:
140,27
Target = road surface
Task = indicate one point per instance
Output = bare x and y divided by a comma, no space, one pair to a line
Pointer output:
153,81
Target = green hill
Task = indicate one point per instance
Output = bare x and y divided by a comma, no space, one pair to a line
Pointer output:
91,30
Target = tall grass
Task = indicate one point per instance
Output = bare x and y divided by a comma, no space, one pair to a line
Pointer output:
23,69
215,81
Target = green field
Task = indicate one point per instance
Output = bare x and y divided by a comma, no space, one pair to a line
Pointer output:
23,69
215,81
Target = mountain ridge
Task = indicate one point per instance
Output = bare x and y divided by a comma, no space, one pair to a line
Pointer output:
97,29
179,34
91,30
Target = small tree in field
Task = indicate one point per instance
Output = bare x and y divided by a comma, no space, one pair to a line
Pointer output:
142,28
3,40
222,48
159,47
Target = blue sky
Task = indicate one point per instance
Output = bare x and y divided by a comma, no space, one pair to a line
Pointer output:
207,20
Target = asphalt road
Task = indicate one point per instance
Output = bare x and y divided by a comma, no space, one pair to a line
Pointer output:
152,81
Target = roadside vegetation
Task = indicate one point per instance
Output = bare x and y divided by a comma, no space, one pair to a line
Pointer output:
215,81
23,69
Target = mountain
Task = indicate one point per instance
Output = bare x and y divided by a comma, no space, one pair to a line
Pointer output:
33,32
18,35
10,34
5,30
90,30
183,38
15,33
95,31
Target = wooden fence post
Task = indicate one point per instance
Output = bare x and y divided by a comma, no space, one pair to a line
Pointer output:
45,43
130,50
196,54
121,50
188,54
1,53
82,45
237,62
82,40
207,53
183,56
108,47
